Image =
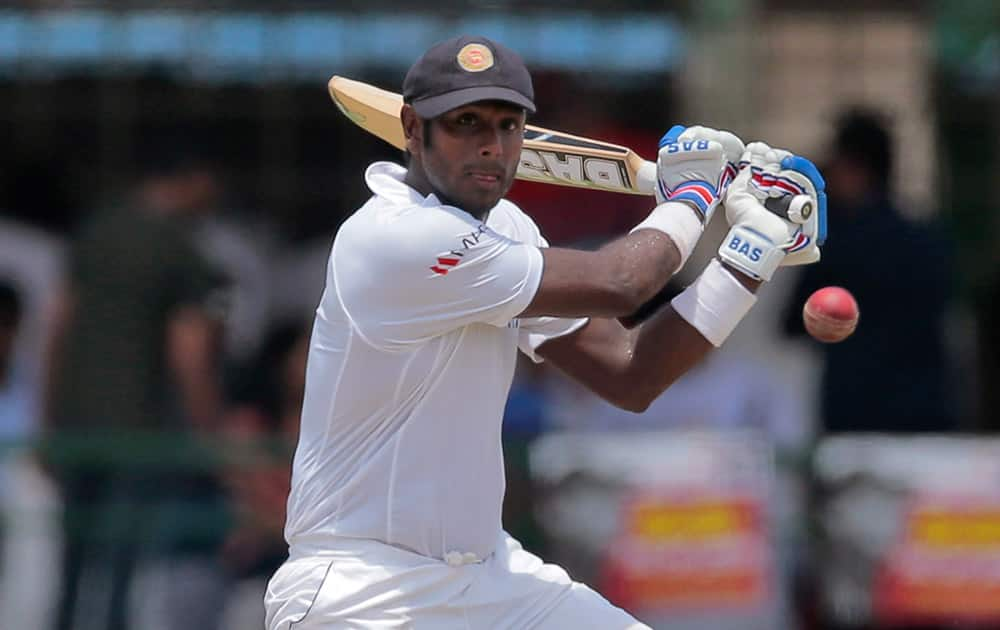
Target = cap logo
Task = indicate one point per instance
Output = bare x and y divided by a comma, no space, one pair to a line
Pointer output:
475,58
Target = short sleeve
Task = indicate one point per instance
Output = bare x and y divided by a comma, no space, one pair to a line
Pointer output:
534,331
425,271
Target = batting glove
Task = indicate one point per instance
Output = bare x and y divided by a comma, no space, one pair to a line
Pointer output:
695,165
776,208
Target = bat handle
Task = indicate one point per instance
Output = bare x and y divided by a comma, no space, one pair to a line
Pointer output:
645,178
795,208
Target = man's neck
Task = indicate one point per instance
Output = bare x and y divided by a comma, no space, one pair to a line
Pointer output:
417,180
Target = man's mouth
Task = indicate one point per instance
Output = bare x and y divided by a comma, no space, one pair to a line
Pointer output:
488,178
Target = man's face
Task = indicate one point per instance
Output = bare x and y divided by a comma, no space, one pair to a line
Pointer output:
197,192
472,154
847,182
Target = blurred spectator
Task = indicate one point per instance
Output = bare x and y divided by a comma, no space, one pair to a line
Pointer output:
15,403
35,199
893,373
28,555
30,262
134,368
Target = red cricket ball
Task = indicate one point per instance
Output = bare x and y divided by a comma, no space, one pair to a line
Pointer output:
830,314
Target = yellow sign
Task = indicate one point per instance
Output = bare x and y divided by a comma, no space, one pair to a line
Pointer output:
956,528
699,521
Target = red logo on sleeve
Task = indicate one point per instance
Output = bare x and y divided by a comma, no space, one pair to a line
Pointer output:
445,262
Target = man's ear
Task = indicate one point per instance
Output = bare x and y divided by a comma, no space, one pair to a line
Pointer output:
412,128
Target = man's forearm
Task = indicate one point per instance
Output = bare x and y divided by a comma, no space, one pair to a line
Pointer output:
750,284
192,351
664,347
611,282
63,308
667,345
631,254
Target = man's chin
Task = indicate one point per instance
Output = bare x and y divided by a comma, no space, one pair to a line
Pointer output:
475,200
480,205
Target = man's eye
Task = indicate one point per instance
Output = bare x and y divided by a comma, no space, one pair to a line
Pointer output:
467,119
511,125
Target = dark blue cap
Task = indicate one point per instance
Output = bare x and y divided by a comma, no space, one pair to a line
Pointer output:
464,70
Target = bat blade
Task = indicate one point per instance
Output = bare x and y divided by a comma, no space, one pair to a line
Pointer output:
547,156
373,109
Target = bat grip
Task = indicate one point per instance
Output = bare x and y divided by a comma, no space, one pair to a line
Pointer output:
794,208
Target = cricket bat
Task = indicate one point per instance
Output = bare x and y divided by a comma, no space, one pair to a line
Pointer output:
548,156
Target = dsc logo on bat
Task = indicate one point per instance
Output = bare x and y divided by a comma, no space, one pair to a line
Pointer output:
576,169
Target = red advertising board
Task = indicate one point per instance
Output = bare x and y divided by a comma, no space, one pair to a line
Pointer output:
946,565
695,549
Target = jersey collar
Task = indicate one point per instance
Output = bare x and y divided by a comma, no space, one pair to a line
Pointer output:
385,179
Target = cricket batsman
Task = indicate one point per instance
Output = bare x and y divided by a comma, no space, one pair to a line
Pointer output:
432,288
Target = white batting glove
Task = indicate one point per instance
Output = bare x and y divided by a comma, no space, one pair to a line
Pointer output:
695,165
693,170
776,208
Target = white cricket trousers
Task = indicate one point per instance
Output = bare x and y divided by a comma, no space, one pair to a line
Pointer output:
366,584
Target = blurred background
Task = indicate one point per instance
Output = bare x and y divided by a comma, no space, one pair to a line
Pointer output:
171,178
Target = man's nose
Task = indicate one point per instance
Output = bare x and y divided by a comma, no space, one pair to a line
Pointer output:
491,144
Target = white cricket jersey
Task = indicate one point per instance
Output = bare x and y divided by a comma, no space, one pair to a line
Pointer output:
411,359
